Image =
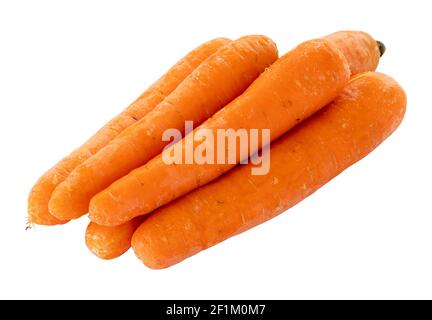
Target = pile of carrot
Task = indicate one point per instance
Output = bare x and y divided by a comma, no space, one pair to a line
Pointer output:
322,102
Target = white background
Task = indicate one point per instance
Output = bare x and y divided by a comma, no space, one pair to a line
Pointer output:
66,67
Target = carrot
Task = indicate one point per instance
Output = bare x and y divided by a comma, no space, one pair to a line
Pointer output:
361,50
218,80
368,110
366,55
111,242
41,192
293,88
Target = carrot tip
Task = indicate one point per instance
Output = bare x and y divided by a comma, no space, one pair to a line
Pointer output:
381,47
29,224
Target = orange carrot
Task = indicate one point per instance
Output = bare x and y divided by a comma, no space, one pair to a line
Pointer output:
41,192
361,50
218,80
368,110
293,88
111,242
356,41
